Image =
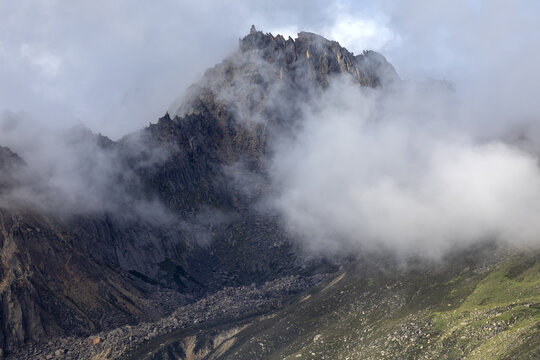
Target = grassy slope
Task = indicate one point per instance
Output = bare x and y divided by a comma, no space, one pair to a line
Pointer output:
465,309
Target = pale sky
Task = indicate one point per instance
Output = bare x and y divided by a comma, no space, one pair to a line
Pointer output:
116,66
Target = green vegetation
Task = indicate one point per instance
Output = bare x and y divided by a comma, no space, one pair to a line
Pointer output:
500,316
465,309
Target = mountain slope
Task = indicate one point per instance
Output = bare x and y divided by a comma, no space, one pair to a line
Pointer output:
466,307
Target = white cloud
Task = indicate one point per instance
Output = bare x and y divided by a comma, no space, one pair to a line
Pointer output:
286,31
396,170
46,62
358,31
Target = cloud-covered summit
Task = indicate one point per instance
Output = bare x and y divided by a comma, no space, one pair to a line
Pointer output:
390,143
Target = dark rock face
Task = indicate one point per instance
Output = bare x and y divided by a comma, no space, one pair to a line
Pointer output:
52,286
10,164
77,274
8,159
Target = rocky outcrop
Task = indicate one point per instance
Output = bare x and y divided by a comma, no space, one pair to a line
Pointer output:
234,114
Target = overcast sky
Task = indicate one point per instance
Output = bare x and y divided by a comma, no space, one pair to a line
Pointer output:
118,65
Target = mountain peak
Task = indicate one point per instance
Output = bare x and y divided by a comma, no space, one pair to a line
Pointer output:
324,57
262,59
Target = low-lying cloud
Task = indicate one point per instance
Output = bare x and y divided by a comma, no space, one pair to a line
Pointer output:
400,168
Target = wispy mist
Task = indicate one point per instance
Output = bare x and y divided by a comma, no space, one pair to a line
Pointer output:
399,169
74,171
